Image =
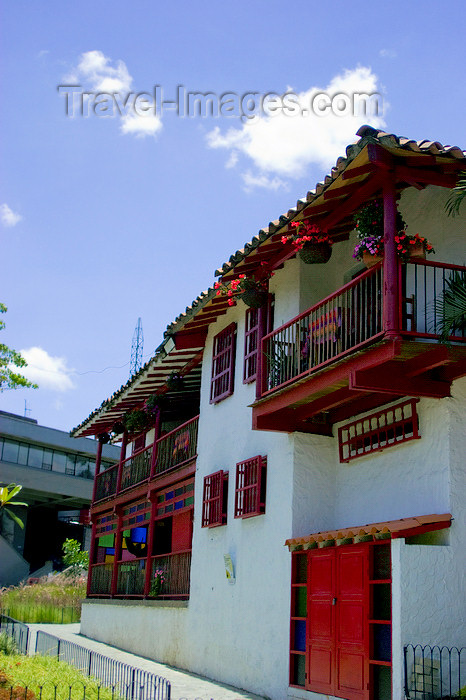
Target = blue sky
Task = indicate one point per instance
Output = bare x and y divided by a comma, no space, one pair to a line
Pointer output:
105,219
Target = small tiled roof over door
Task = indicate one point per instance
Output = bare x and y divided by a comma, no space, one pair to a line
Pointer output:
390,529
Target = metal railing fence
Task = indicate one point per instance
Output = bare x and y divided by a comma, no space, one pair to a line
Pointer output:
17,630
345,320
128,682
434,672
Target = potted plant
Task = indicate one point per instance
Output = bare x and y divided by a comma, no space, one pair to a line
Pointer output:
154,402
118,428
175,381
416,246
370,250
157,583
368,222
313,245
251,290
135,421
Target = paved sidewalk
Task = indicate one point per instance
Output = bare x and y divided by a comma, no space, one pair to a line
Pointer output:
185,686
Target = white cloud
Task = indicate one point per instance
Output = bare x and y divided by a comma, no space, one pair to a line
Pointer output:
252,180
140,125
285,145
388,53
96,70
47,371
97,73
8,217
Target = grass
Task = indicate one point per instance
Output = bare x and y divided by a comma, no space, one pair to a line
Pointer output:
48,679
56,600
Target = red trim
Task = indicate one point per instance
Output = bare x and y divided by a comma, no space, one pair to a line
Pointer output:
223,364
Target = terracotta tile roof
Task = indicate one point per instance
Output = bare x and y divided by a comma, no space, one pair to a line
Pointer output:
389,529
397,145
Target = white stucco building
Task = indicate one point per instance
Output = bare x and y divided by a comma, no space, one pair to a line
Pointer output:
302,491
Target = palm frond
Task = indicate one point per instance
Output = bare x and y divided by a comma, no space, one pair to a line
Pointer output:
456,197
450,307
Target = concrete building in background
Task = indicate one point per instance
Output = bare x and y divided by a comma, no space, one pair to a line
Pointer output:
56,473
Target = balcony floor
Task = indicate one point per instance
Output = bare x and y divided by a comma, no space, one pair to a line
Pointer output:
361,381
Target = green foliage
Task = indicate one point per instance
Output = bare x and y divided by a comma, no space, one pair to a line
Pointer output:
7,493
7,644
450,307
73,556
456,197
40,674
56,601
8,378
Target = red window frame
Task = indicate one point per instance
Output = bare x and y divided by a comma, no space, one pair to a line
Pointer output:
250,487
223,364
391,426
214,499
258,322
251,344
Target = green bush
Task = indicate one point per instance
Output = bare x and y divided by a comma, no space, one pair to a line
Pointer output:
7,644
57,600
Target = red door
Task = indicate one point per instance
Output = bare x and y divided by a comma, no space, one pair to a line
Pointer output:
338,645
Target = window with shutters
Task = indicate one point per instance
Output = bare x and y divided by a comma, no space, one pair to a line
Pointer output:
250,487
215,499
251,344
223,364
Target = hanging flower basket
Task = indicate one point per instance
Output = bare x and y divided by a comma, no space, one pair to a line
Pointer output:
175,382
315,253
255,297
313,245
408,246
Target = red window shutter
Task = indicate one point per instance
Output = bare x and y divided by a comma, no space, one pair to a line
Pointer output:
214,500
250,487
251,344
321,616
223,364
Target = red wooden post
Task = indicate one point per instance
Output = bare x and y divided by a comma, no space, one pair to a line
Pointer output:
150,543
122,458
391,263
91,556
157,426
98,460
117,556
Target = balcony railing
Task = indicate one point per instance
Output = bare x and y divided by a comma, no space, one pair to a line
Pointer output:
136,468
352,317
425,282
176,569
106,483
101,579
131,577
177,447
174,449
345,320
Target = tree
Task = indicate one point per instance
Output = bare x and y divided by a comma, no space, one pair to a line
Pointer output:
8,357
73,556
7,493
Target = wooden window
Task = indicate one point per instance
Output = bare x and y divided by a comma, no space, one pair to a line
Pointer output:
258,322
379,430
250,487
251,344
223,364
214,500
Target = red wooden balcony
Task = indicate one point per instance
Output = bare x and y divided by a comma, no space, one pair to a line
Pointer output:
172,451
131,579
340,358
